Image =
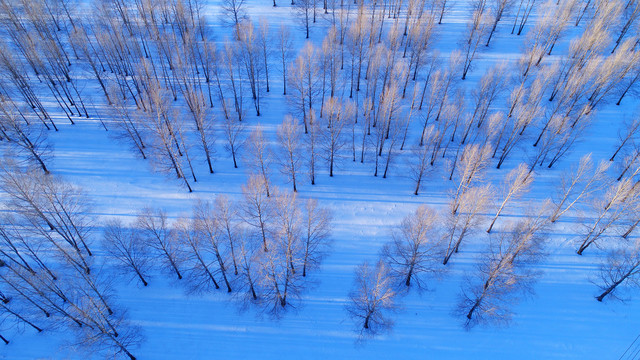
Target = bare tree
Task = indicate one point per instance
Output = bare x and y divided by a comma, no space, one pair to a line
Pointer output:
305,10
612,71
522,15
476,32
285,51
629,84
159,237
630,16
259,156
458,225
28,141
233,129
216,234
233,71
233,13
196,104
287,231
515,184
257,209
316,232
250,56
167,141
439,85
619,199
129,125
547,31
76,299
498,10
503,273
290,141
524,111
372,298
264,43
85,44
621,266
473,163
312,146
630,163
114,335
99,326
492,85
49,203
416,247
330,66
420,42
16,73
226,213
277,282
443,7
631,130
125,246
332,139
193,240
420,161
303,81
16,246
248,279
577,185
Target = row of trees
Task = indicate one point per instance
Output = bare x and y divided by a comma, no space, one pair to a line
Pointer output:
506,269
159,68
261,248
586,78
50,278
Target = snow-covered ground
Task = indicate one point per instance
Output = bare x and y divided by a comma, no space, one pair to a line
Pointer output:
561,320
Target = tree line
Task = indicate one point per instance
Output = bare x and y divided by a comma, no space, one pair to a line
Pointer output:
260,249
372,87
605,204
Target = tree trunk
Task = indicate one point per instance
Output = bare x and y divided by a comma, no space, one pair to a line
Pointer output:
631,228
613,286
144,282
473,309
408,282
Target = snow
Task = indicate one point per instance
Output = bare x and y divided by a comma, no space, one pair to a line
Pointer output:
561,320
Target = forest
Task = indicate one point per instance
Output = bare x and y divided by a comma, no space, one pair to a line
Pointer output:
199,178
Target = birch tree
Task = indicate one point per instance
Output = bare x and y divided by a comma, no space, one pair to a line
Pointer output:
516,183
26,141
476,32
233,130
503,273
465,220
290,157
372,298
257,209
160,238
473,163
620,198
416,247
226,213
577,185
259,156
498,9
317,223
621,267
125,246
